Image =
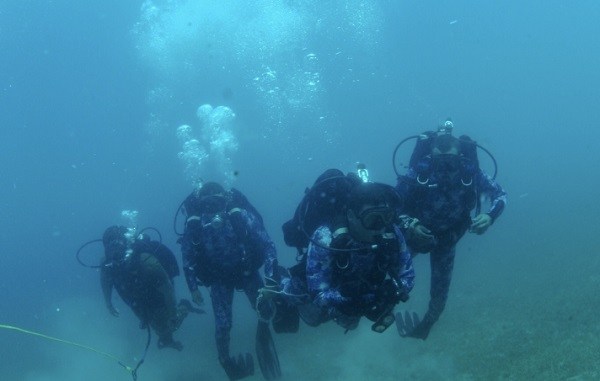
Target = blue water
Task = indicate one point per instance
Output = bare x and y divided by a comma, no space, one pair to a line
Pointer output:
92,94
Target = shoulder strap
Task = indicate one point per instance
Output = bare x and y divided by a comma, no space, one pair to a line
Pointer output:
239,200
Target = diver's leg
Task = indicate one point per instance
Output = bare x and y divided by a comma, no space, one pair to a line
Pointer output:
221,296
222,300
442,264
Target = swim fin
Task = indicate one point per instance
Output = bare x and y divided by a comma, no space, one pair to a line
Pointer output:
266,352
238,368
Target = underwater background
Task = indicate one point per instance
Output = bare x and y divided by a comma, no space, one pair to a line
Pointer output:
109,106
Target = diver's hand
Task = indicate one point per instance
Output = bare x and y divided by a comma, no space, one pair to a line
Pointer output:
264,307
422,234
113,311
270,290
264,301
481,223
197,297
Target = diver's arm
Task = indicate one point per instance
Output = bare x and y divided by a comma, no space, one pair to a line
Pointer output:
262,242
188,255
406,272
188,251
106,282
495,192
405,189
319,271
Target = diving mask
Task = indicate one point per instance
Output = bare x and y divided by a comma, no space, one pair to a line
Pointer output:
445,163
213,203
377,218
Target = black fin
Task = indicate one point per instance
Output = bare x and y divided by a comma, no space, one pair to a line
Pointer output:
266,352
239,368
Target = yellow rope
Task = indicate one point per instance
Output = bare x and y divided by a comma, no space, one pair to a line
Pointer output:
108,355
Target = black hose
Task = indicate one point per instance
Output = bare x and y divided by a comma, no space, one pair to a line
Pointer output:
79,252
154,230
396,152
465,141
493,160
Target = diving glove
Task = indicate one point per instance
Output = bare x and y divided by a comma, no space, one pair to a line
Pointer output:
239,368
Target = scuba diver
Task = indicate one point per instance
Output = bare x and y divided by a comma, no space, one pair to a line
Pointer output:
142,272
441,188
223,246
353,261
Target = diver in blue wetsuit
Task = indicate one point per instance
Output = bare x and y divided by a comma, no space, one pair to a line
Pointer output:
355,264
224,245
443,185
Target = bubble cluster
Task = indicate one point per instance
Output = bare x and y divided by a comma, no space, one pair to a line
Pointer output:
207,152
130,217
281,56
